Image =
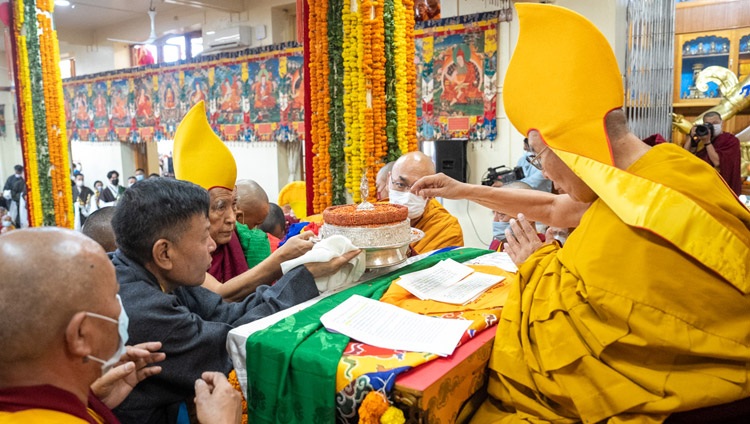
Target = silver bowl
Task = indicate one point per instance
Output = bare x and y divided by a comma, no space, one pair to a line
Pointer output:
383,256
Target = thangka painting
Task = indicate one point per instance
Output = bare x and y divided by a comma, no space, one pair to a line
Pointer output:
169,99
226,95
195,86
100,104
457,77
122,110
254,95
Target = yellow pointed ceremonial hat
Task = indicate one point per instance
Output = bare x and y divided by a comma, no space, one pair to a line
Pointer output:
562,81
199,154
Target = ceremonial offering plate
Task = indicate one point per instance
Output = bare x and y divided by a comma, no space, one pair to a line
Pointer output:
383,245
383,256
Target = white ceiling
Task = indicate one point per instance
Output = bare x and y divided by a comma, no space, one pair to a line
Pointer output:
89,15
104,16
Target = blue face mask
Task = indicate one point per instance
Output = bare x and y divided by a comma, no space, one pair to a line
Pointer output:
122,329
498,229
139,177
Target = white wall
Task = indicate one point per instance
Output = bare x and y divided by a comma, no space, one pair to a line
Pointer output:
259,161
99,158
10,147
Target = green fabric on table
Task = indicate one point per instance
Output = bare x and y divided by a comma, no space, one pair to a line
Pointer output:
254,244
291,365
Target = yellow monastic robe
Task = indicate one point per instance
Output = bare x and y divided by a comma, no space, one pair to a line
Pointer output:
620,325
441,229
31,416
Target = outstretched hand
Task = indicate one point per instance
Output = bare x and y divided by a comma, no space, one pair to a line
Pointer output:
438,185
522,239
114,386
216,401
296,246
324,269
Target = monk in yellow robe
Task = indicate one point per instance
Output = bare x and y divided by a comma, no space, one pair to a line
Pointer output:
60,335
441,229
643,313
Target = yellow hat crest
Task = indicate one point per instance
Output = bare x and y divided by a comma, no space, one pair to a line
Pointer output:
199,154
562,80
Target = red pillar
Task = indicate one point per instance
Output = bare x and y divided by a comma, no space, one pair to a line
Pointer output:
308,110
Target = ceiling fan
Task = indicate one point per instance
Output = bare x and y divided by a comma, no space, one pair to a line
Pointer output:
152,36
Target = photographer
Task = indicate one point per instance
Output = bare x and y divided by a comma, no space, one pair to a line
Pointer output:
524,172
720,149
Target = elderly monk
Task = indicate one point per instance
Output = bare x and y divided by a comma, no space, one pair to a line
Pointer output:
164,249
202,158
633,331
441,229
62,328
252,209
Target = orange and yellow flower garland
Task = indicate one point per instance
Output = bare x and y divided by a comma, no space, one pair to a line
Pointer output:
353,153
320,103
57,137
364,81
44,141
399,57
376,146
411,78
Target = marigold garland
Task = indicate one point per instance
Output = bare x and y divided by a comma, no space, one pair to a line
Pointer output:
235,382
352,95
44,142
320,101
401,85
411,78
363,88
373,407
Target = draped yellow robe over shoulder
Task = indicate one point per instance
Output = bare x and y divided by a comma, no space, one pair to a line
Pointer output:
441,229
621,325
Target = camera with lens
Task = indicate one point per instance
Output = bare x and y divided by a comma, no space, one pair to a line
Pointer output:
503,174
702,130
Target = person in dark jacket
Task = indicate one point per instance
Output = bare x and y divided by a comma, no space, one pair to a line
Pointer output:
164,249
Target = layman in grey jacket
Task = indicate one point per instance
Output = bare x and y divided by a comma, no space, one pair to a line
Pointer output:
162,231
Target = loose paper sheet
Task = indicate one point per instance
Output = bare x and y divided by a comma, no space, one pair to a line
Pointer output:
448,281
388,326
499,259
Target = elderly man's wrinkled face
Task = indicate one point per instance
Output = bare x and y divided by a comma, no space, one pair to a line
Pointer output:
222,214
553,168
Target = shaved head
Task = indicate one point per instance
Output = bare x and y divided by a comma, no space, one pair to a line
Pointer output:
49,274
252,203
98,226
415,164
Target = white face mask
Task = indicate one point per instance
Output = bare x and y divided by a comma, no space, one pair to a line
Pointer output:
79,183
7,223
122,330
498,229
414,203
717,129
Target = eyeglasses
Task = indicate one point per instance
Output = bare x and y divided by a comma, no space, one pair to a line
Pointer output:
398,185
536,160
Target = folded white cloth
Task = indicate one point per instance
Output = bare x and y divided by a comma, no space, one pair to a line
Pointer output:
324,251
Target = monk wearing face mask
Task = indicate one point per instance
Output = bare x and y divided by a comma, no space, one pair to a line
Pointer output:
441,229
